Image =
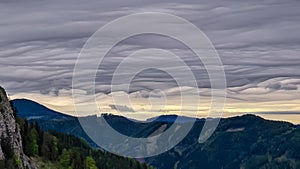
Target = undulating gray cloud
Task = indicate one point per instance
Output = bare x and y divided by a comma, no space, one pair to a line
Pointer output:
121,108
258,42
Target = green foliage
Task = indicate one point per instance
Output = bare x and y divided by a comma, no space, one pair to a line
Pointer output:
11,160
31,148
16,161
65,159
90,163
69,152
257,144
247,142
10,163
56,150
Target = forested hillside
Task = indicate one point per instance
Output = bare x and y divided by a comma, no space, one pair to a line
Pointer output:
67,151
242,142
22,141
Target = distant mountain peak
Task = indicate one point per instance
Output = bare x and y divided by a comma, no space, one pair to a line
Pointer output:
31,109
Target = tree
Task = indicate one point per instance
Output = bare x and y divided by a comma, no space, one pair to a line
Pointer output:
46,145
32,147
77,161
65,158
54,148
90,163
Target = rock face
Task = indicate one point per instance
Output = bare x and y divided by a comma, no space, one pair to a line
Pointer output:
10,137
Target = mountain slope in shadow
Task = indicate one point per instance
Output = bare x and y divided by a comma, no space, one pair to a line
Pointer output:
248,141
32,110
50,120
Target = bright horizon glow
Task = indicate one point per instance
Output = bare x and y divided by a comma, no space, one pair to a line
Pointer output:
273,110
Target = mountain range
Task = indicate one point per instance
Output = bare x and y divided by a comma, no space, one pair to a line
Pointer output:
24,145
246,142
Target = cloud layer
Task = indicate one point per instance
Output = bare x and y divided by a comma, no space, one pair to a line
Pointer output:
258,42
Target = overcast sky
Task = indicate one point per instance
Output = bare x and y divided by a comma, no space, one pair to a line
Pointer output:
258,42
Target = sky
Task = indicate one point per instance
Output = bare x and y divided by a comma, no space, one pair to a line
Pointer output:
257,41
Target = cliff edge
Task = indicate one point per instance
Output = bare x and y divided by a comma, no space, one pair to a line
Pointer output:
10,137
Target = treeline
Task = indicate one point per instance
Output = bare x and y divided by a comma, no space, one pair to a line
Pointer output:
70,152
57,150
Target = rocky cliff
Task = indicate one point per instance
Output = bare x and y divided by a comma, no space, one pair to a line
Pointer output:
10,137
